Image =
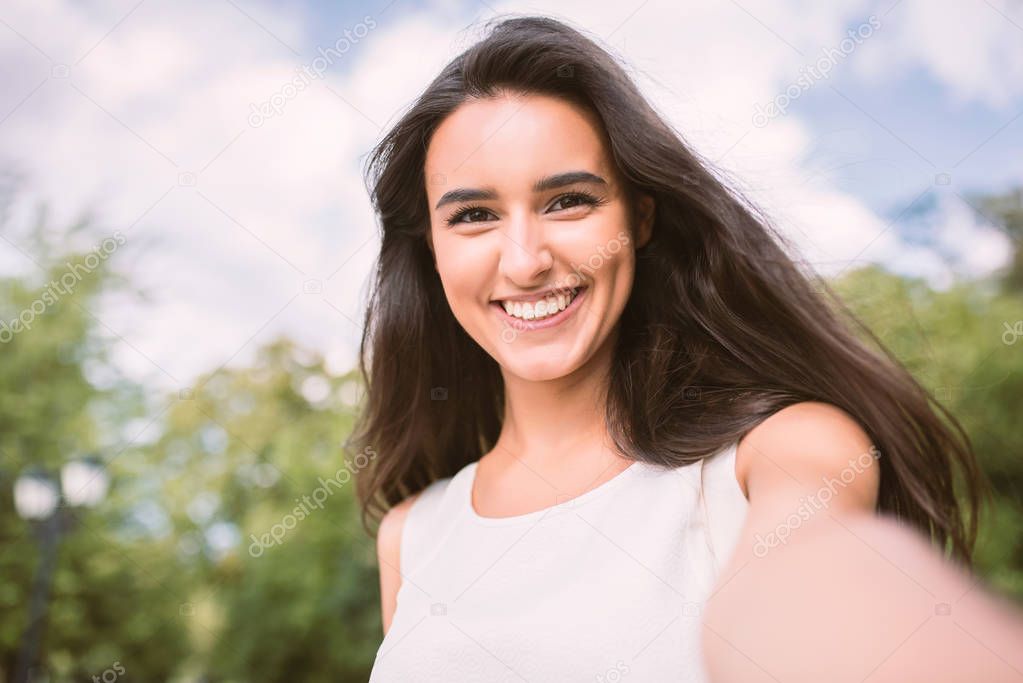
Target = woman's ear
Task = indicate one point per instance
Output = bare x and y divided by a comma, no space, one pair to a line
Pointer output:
646,208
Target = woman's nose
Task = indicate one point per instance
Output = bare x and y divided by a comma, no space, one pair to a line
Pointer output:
525,255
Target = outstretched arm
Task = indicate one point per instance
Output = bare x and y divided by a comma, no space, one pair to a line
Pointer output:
832,591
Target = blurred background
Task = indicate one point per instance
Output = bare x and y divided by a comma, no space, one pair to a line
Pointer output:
186,241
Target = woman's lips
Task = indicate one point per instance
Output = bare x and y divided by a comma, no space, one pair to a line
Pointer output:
522,325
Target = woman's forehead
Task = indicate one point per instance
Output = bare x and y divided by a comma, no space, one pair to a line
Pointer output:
513,140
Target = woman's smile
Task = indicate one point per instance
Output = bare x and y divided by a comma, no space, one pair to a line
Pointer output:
539,313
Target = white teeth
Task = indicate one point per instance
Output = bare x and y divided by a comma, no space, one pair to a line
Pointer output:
542,308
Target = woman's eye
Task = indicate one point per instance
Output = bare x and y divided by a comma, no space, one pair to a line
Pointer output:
569,201
474,215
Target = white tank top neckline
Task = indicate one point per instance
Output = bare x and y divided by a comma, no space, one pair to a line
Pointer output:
606,586
527,517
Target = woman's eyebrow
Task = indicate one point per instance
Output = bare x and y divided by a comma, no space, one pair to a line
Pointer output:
466,194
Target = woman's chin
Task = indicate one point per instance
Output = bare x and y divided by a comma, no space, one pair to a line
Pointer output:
538,365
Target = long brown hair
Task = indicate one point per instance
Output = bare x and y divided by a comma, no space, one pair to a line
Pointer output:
721,330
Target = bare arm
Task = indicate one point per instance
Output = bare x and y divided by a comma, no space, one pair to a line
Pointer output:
389,558
841,594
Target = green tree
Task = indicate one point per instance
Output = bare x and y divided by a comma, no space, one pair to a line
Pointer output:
114,593
254,456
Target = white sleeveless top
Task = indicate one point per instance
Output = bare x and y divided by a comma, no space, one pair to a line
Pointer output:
609,585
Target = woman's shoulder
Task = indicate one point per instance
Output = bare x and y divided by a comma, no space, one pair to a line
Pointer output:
396,537
391,526
804,442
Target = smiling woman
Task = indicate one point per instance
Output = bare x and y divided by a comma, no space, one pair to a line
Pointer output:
596,382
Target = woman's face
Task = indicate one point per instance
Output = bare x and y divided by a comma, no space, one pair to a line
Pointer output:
527,216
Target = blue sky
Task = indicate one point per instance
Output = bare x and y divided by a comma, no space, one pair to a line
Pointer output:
915,113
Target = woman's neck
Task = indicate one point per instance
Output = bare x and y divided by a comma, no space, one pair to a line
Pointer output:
559,422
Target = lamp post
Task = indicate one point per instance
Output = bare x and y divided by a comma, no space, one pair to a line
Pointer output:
38,496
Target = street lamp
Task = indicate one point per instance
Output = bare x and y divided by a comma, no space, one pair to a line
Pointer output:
84,482
37,498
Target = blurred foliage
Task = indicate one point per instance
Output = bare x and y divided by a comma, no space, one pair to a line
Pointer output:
112,594
254,478
229,547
